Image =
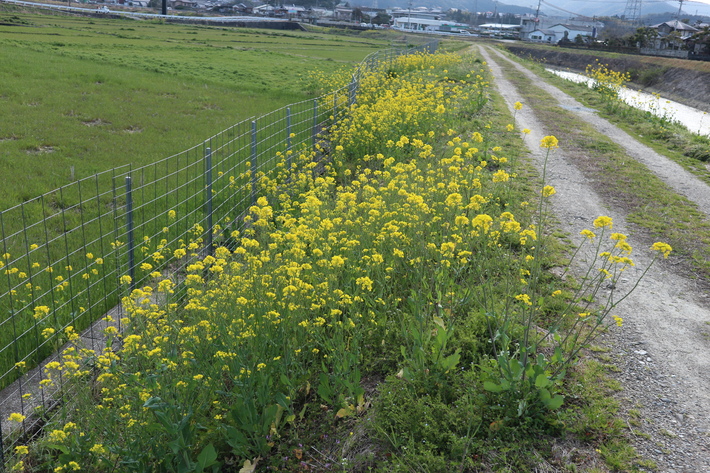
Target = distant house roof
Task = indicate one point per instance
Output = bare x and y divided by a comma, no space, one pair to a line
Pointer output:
675,25
499,26
573,27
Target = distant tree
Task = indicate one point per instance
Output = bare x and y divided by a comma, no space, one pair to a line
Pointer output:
700,41
674,39
357,14
381,18
644,36
579,39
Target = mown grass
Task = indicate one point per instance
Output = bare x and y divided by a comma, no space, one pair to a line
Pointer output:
83,95
621,179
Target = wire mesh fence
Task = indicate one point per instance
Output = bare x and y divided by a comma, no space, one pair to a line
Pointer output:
67,253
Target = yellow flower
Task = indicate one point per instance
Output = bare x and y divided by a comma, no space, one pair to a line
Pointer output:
526,131
58,436
619,321
549,142
453,200
172,214
664,248
603,221
41,311
98,448
547,191
126,279
517,106
501,176
524,298
22,450
587,233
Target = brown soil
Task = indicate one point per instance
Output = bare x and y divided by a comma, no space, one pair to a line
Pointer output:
682,80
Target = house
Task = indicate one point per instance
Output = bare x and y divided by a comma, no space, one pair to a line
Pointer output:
541,36
566,32
684,31
183,4
245,7
264,10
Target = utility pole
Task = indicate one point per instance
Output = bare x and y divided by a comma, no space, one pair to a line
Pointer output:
409,18
680,7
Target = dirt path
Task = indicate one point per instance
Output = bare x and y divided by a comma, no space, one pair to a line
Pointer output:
662,350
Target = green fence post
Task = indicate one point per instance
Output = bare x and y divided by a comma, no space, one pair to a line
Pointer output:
208,198
129,233
288,138
314,131
253,162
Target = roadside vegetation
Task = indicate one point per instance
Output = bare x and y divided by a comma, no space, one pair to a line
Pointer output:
387,306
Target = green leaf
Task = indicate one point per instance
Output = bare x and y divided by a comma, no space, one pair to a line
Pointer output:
555,402
206,458
492,387
286,381
542,381
451,361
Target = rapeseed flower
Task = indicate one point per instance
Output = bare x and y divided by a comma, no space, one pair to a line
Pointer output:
549,142
603,222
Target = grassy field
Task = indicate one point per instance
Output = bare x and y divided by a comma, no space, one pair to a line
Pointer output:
82,95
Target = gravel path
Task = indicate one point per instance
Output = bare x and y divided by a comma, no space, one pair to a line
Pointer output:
662,350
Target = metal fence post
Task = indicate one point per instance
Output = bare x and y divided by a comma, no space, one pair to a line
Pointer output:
335,107
253,162
208,198
351,92
314,132
129,232
288,137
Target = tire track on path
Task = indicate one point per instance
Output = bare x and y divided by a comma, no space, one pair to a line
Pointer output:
662,354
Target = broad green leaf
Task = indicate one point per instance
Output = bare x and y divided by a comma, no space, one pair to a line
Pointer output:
542,381
492,387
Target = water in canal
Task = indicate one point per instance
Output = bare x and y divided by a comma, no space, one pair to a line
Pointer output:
693,119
